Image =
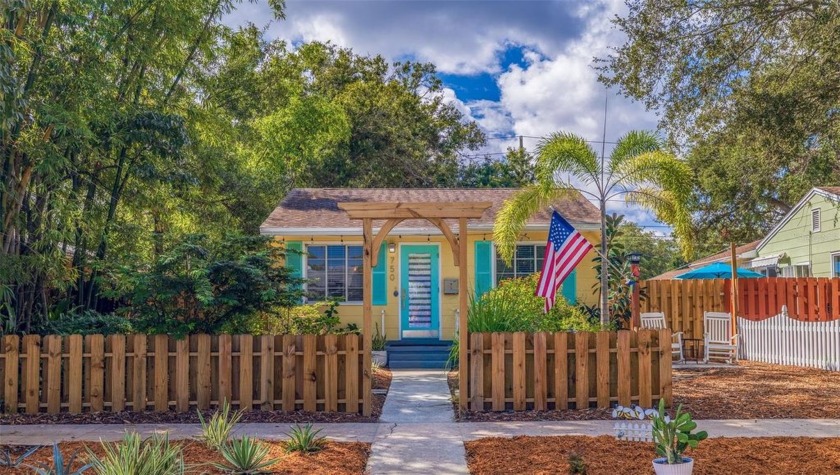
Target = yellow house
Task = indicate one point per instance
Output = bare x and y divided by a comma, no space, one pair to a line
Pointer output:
415,282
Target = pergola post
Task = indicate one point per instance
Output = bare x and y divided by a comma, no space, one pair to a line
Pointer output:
367,310
463,311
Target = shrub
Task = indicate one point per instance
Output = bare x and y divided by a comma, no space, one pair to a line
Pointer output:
88,322
201,286
134,456
216,432
318,318
304,439
245,455
512,306
378,340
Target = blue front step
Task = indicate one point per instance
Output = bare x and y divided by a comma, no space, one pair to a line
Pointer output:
418,354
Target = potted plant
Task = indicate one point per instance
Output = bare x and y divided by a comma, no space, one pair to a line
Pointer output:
378,353
672,437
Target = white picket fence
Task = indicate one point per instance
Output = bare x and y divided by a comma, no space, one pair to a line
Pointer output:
783,340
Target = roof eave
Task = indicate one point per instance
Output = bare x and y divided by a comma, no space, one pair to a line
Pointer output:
357,231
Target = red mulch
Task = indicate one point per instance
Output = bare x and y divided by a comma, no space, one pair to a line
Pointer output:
608,456
750,391
335,458
381,380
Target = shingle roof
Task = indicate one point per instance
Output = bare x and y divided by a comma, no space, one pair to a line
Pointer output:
720,256
834,190
318,207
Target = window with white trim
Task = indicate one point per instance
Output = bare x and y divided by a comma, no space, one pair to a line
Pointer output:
802,270
527,260
334,271
815,220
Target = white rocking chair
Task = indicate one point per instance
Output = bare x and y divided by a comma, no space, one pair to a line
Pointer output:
717,337
656,321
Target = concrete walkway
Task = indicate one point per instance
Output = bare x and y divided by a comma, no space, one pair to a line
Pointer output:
419,433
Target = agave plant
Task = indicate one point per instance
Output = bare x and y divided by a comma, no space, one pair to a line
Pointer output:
304,439
59,465
245,455
216,432
6,459
134,456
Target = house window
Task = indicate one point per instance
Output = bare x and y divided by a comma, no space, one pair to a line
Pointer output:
527,260
802,270
787,271
835,264
815,220
334,271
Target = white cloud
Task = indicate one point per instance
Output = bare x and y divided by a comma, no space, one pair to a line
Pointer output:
556,89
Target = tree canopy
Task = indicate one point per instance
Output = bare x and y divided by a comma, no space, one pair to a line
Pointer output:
126,126
748,90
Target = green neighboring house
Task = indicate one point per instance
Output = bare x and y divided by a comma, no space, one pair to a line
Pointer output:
806,242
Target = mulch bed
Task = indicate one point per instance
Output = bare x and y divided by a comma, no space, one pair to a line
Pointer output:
381,380
606,455
758,391
335,458
750,391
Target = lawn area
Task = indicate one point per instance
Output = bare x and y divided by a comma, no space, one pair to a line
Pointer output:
608,456
338,458
748,391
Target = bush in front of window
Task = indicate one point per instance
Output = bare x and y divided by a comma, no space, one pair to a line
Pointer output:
513,307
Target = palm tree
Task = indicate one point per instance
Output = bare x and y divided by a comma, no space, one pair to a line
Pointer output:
638,170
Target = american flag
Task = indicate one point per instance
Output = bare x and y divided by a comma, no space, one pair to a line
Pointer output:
563,251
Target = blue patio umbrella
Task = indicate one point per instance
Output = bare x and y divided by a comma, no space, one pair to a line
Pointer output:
718,270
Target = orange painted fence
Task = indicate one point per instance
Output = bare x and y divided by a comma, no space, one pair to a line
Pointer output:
684,301
540,371
92,373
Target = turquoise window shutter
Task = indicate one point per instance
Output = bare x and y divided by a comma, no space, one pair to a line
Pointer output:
294,260
570,288
380,277
483,267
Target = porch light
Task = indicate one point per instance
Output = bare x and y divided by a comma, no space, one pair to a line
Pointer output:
392,247
635,257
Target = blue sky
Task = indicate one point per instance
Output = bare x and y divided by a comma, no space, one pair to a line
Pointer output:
515,67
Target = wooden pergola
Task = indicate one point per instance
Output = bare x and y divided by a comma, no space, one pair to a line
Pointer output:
394,213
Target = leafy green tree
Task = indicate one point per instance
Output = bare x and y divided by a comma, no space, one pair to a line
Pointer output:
749,90
638,170
514,171
659,254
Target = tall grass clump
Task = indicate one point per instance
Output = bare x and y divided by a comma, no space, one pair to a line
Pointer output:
512,306
135,456
216,431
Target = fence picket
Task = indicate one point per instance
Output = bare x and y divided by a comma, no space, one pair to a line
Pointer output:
519,371
540,372
645,397
53,347
623,363
182,374
97,373
74,366
561,371
602,361
161,362
117,372
498,358
581,370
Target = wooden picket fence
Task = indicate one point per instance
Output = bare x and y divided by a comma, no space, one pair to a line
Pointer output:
541,371
684,301
78,374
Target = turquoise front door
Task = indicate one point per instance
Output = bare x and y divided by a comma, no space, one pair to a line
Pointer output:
419,291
